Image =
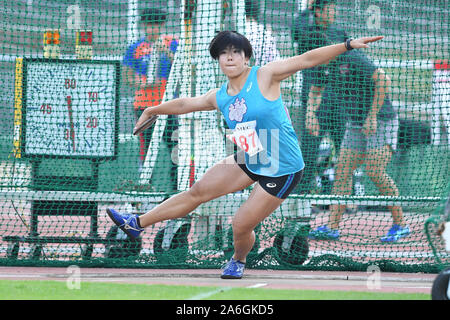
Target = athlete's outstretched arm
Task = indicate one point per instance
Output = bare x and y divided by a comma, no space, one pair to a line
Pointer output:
282,69
181,106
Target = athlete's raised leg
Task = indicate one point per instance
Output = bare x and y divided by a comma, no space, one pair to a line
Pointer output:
223,178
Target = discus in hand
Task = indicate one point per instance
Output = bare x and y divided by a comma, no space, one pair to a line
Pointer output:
147,124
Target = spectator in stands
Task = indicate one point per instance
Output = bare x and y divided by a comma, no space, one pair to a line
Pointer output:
147,65
318,19
370,134
260,35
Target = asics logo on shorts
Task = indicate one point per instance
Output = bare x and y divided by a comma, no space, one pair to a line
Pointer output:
271,185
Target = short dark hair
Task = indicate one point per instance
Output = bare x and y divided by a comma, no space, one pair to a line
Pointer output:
320,4
252,8
154,16
225,39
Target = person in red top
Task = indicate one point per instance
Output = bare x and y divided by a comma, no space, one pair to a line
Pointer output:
147,65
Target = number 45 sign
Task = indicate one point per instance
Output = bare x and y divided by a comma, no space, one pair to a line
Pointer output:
66,108
246,138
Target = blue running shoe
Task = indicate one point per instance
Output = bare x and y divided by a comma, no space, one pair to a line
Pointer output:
234,269
324,233
127,222
395,233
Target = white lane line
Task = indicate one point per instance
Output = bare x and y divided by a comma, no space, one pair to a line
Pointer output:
208,294
257,285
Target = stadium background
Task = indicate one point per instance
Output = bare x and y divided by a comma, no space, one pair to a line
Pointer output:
416,34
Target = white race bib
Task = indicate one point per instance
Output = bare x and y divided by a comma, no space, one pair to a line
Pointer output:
246,138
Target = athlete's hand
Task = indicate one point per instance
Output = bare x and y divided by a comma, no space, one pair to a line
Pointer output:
144,117
363,42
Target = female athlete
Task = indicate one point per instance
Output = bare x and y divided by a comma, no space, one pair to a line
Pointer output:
251,104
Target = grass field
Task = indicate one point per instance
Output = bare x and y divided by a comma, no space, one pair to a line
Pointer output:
59,290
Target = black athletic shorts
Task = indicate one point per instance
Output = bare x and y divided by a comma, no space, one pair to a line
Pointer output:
279,187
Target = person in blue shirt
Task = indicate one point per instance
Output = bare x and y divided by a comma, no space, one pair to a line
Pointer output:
147,64
270,155
148,61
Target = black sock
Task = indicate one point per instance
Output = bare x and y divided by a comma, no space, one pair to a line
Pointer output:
138,222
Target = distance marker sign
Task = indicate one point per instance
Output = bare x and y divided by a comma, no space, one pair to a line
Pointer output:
69,108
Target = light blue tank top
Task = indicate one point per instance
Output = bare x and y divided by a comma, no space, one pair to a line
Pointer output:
281,154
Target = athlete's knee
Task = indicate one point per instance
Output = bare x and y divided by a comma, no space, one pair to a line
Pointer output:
199,193
241,228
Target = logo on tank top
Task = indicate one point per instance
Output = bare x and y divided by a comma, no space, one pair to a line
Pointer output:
237,110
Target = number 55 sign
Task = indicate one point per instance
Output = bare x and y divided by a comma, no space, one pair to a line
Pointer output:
66,108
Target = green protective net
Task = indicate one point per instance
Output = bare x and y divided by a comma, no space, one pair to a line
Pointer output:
75,76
